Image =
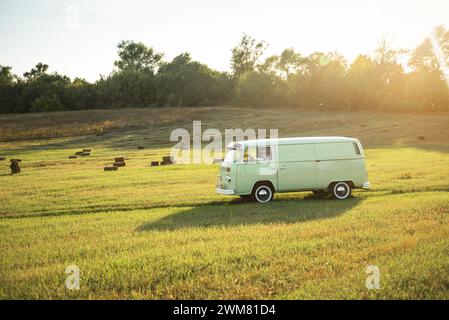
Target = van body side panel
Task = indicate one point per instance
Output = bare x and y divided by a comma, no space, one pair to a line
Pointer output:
341,170
336,150
297,167
249,174
339,162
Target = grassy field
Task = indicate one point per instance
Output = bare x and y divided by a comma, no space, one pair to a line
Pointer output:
162,232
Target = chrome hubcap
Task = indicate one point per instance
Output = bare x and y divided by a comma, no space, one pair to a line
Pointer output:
263,194
341,191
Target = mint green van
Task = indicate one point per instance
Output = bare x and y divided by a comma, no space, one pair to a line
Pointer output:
256,169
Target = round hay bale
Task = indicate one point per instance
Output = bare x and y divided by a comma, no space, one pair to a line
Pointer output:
110,168
73,157
78,153
140,147
85,154
2,158
119,164
154,163
15,168
86,150
119,159
168,160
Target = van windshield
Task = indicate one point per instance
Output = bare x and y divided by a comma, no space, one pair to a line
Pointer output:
232,156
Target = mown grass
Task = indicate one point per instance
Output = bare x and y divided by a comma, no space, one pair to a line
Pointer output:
162,232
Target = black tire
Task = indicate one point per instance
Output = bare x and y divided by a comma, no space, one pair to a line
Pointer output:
340,190
263,192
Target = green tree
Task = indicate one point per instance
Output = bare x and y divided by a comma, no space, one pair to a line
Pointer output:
9,90
183,82
46,102
126,89
39,70
246,55
79,95
427,86
322,83
362,83
291,62
41,88
137,56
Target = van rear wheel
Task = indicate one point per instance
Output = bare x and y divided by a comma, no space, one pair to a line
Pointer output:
262,193
340,190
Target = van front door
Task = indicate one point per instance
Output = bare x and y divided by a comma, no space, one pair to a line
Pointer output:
297,167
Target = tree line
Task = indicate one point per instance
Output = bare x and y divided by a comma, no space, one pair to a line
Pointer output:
320,81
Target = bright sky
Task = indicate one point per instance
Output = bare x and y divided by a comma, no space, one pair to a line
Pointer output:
79,38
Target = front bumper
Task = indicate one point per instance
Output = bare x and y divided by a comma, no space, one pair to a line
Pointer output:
223,191
366,185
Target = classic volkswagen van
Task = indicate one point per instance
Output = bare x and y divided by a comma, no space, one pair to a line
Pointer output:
256,169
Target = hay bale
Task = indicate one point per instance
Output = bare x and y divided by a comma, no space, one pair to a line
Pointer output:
154,163
85,154
168,160
2,158
119,164
421,138
15,168
78,153
86,150
140,147
119,159
110,168
73,157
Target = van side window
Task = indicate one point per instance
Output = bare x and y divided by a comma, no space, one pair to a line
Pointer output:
246,155
356,147
250,154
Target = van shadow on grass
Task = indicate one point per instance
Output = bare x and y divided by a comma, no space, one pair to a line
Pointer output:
239,212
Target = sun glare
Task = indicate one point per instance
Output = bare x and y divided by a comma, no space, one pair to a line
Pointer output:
440,56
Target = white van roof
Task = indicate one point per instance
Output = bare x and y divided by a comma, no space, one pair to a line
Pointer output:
293,140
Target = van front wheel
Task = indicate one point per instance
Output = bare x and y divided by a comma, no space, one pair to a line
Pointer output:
340,190
262,193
